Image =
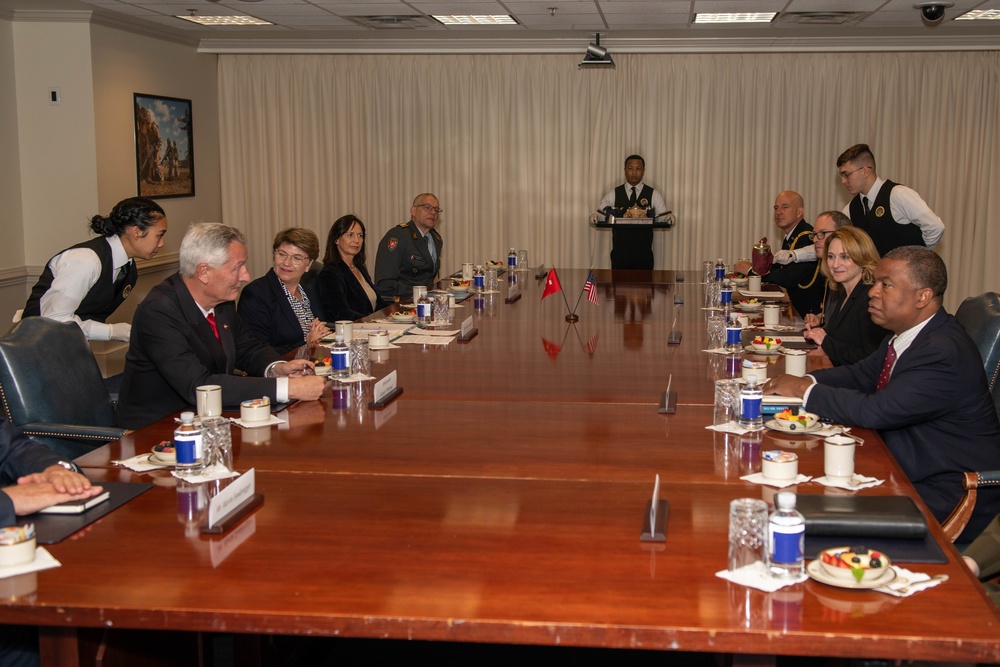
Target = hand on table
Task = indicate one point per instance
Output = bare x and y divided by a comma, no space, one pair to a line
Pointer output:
788,385
812,320
30,497
306,388
317,331
816,335
294,368
61,479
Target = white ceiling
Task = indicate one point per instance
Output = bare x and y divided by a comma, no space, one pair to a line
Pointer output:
543,25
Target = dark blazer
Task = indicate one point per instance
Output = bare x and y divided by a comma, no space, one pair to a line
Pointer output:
19,456
935,414
403,261
173,350
266,311
850,333
342,295
790,276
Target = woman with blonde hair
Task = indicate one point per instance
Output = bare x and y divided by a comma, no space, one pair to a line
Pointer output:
848,334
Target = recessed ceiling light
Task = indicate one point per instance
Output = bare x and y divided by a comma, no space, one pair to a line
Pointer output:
225,20
980,15
477,19
740,17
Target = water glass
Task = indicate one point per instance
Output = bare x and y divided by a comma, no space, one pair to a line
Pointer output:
217,435
522,260
708,271
360,359
492,285
727,401
716,331
747,532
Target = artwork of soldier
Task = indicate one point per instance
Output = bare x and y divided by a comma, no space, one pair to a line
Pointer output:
164,146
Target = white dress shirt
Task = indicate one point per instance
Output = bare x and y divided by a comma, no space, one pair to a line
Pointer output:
656,203
907,207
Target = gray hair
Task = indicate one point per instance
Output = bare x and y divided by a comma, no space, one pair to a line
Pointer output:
839,219
207,243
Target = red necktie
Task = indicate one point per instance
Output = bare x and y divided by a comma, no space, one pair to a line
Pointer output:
890,360
211,323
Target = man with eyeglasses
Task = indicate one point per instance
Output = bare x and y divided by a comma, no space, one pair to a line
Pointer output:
892,214
632,247
410,253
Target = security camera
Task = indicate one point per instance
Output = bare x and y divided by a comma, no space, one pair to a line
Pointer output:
932,13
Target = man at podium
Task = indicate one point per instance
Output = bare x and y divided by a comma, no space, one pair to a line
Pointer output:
632,246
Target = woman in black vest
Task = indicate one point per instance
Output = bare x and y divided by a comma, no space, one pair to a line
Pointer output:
87,282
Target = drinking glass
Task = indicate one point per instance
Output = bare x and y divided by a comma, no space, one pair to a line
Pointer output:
441,311
360,359
747,532
727,401
716,331
217,435
492,285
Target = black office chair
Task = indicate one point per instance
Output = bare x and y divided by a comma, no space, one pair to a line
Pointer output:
980,317
51,387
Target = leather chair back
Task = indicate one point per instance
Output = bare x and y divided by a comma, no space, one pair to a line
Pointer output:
980,316
48,374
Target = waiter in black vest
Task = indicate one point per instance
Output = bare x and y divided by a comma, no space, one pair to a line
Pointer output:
632,247
87,282
892,214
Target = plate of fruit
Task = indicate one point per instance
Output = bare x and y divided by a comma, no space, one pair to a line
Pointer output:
750,305
852,567
795,420
738,279
765,345
405,315
323,366
163,454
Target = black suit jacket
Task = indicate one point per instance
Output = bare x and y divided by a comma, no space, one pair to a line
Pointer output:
790,276
266,311
342,295
935,414
850,333
173,350
19,456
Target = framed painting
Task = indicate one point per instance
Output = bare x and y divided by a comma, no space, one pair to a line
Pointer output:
164,146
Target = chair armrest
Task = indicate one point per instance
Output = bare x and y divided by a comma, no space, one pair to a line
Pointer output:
959,517
92,434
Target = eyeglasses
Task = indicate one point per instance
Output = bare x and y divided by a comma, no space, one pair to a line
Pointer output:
844,175
819,236
430,209
281,256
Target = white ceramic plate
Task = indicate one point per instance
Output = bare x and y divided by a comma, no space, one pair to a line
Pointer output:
776,425
816,571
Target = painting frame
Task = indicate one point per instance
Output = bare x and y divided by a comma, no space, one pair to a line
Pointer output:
164,146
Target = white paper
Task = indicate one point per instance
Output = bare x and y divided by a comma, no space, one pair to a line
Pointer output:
385,386
230,498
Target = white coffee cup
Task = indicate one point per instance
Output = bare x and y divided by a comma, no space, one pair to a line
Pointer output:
209,400
345,328
378,339
753,283
795,362
838,458
772,315
419,291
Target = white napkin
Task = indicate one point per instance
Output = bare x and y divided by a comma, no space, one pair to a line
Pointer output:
730,427
758,478
217,471
720,350
357,377
859,482
43,561
756,576
912,582
141,463
271,421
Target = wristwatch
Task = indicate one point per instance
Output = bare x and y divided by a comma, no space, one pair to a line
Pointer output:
69,465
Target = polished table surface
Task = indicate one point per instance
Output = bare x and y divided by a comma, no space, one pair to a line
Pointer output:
499,499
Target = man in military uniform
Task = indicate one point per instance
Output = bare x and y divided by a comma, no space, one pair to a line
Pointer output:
410,254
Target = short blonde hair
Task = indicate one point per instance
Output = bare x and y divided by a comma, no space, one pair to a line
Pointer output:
859,247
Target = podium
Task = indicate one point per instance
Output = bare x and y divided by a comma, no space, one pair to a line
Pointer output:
667,221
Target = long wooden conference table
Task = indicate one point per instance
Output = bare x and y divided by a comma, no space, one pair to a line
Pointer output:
499,500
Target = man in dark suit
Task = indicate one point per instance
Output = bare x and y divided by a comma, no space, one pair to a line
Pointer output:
410,254
924,389
187,334
803,280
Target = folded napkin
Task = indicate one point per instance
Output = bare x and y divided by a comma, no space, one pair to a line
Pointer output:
857,482
271,421
43,561
720,350
141,463
758,478
216,471
907,583
731,427
357,377
756,576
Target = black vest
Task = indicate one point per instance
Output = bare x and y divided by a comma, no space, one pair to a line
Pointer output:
886,233
624,192
102,299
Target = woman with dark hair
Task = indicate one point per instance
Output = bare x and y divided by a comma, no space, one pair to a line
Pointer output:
87,282
849,262
345,287
278,307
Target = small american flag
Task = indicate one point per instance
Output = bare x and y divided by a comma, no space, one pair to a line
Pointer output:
590,288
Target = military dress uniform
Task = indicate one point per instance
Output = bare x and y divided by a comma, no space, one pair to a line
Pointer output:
404,260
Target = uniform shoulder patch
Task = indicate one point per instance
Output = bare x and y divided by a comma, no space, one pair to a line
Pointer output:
393,243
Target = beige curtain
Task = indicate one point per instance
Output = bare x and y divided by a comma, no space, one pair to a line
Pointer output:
521,148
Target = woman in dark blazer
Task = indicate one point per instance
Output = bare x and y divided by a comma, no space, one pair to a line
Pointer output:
848,334
345,288
278,307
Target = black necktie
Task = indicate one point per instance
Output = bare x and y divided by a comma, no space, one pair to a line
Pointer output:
631,201
864,202
122,275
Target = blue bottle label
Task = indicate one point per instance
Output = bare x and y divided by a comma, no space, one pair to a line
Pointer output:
733,335
786,543
188,449
340,359
727,296
750,407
